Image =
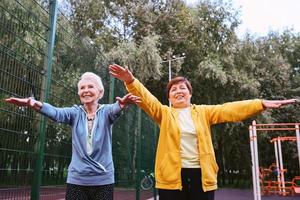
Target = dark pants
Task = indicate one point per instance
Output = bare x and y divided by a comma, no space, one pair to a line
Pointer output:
79,192
191,188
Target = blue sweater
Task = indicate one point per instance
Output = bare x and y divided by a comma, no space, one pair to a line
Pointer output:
96,168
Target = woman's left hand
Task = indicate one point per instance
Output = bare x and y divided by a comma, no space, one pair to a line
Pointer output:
278,103
128,99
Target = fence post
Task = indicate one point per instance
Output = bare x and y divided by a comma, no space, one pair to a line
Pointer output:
138,156
111,89
35,193
155,139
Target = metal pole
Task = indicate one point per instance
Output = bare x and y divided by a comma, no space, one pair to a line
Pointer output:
170,72
256,160
46,86
277,161
111,89
170,75
138,157
170,59
253,163
155,138
281,168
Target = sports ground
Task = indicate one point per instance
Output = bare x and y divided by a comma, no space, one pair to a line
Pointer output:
130,194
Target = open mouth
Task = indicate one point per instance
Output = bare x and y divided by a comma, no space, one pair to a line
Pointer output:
179,97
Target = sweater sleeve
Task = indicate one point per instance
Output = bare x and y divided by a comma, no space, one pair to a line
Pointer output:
114,111
61,115
233,111
150,104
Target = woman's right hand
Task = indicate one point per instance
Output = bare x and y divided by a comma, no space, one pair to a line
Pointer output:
19,101
30,102
121,73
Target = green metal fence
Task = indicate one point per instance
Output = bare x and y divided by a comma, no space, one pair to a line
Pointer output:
35,152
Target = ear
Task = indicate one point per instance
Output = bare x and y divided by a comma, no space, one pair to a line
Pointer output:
101,93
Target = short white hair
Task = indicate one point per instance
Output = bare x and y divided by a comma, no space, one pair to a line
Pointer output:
95,79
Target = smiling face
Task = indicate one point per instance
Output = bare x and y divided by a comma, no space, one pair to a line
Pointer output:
88,92
90,88
180,95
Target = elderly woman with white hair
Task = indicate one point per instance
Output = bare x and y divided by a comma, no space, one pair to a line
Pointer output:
91,171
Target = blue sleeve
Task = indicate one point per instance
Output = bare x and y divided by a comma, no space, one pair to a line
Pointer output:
114,111
61,115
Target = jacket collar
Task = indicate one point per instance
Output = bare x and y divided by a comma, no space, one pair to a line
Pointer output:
175,112
99,107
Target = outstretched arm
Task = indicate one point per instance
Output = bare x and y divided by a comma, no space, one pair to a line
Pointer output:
29,102
61,115
278,103
128,99
148,102
241,110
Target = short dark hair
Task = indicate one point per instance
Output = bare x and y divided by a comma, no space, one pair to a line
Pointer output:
177,80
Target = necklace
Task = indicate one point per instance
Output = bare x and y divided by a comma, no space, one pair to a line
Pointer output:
90,116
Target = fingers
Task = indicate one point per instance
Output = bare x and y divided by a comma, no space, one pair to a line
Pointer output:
116,68
129,98
279,103
12,100
136,99
17,101
123,99
8,100
289,101
118,99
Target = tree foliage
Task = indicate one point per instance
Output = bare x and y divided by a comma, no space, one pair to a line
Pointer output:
142,59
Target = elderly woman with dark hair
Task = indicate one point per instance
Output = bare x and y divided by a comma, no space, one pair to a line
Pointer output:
91,171
185,166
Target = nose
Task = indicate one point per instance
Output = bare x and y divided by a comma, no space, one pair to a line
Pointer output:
178,92
85,90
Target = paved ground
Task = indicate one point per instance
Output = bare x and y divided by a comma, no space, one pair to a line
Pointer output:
56,193
122,194
221,194
238,194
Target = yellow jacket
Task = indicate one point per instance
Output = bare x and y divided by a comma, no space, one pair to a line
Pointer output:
168,161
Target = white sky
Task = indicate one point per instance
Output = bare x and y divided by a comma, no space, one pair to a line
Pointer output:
261,16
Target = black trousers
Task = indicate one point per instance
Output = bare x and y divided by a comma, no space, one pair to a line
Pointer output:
191,187
79,192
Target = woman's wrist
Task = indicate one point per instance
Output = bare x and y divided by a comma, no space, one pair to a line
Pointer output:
129,81
34,104
263,104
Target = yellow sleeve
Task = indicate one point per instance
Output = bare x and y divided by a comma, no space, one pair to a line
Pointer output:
150,104
233,111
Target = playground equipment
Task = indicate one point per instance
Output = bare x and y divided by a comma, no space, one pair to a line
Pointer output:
266,177
296,182
279,186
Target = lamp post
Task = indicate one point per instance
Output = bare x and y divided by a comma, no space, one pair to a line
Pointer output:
170,59
173,58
